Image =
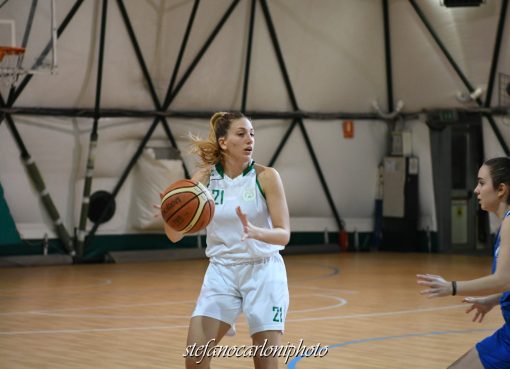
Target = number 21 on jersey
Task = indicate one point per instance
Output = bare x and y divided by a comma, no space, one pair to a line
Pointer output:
218,196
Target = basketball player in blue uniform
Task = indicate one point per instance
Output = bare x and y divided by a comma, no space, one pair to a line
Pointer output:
246,273
493,193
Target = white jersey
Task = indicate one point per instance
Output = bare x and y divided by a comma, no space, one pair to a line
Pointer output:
225,231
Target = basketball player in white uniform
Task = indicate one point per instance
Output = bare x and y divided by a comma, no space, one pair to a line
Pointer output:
250,226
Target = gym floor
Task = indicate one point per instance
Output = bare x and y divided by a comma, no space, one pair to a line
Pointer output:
364,306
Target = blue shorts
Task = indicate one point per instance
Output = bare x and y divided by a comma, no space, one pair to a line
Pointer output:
494,351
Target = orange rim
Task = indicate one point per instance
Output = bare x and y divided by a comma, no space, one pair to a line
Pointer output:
10,50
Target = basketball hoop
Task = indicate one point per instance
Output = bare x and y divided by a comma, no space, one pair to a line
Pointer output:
9,63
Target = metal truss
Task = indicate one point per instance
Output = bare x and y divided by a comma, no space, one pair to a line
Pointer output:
162,109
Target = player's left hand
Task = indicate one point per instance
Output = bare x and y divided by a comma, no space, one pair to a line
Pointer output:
480,305
437,285
249,230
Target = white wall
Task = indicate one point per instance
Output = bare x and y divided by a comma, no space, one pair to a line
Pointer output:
60,149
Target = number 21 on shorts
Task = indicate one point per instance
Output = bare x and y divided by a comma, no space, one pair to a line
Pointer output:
278,314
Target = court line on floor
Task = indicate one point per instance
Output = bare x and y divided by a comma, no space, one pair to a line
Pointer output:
293,363
101,282
69,291
370,315
334,270
107,307
70,312
350,316
340,302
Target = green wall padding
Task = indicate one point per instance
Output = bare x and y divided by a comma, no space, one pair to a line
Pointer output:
8,233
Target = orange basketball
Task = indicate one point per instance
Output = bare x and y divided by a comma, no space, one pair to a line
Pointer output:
187,206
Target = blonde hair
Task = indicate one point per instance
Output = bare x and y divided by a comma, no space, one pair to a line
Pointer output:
209,150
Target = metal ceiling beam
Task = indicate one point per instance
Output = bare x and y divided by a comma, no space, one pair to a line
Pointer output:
495,55
254,114
248,56
145,70
387,55
298,121
459,72
32,169
156,102
91,158
170,95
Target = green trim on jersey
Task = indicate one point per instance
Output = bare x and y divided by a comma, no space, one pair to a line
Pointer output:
248,168
219,169
221,172
260,187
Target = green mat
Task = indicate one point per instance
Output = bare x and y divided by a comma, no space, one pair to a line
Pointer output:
8,233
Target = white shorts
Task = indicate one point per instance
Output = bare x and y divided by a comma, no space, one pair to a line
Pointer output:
256,288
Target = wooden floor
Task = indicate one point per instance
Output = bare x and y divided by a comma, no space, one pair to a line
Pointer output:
364,306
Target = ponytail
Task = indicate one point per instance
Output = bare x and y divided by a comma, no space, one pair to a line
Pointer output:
209,150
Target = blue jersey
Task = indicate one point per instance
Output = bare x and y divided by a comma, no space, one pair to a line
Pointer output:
494,351
505,297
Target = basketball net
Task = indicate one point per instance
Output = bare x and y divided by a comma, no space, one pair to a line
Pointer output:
10,70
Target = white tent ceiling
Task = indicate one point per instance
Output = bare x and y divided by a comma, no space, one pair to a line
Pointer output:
334,52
